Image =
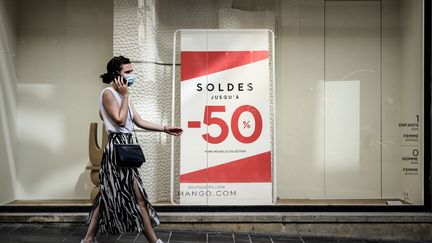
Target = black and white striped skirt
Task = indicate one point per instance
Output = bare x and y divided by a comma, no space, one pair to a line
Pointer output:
118,208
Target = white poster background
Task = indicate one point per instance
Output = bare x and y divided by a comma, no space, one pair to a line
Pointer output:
196,153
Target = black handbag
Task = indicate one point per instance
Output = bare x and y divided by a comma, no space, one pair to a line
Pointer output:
129,155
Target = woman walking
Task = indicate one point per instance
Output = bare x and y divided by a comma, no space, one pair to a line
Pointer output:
121,204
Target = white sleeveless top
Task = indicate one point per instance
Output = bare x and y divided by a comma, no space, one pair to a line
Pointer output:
110,125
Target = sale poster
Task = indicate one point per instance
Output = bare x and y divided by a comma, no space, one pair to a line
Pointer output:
225,113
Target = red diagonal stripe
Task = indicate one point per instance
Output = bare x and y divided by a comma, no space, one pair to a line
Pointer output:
256,168
200,63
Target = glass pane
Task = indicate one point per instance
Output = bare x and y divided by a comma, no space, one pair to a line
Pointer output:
51,56
348,96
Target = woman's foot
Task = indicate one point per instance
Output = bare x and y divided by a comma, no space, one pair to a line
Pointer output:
159,241
89,241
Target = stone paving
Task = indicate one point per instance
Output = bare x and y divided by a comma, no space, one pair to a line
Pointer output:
46,233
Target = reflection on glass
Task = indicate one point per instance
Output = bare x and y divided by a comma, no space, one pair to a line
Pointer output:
342,126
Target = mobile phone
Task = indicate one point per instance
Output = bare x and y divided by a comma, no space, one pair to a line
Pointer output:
117,74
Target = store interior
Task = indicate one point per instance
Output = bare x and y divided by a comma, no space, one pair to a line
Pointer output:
349,96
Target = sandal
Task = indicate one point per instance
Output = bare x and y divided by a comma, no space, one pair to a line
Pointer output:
95,241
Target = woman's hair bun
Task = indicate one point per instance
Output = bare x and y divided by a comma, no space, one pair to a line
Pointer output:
106,78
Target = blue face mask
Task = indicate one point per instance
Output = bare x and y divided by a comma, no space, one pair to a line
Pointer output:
130,78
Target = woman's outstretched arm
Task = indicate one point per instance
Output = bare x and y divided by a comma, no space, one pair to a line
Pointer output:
152,126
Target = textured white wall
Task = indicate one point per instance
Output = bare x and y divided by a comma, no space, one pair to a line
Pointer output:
143,31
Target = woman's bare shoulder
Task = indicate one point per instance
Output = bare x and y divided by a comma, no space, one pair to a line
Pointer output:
108,92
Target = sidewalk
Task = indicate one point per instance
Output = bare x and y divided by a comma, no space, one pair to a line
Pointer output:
47,233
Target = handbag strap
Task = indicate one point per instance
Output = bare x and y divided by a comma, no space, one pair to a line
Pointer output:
133,125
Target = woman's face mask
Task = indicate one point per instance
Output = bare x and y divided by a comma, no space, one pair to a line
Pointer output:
130,78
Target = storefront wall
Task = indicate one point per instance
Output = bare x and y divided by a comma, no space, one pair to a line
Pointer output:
349,86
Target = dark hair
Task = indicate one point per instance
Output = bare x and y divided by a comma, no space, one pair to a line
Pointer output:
113,66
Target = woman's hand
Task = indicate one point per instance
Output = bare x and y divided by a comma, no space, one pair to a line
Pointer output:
121,86
176,131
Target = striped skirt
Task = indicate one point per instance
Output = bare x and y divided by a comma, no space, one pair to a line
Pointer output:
118,208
